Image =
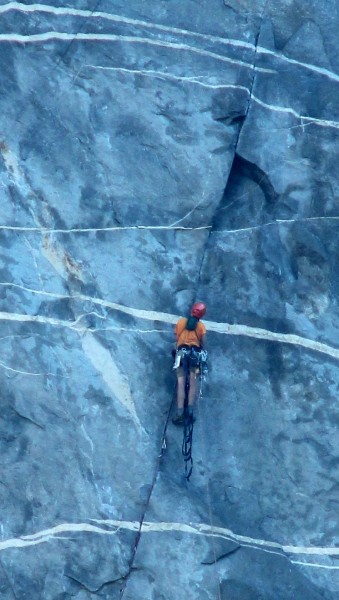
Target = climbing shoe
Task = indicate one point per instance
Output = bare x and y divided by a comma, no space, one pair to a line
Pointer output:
191,414
178,419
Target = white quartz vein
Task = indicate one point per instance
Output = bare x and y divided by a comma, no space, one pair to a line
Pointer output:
309,66
45,230
65,11
22,318
7,368
129,329
149,315
304,118
195,79
86,454
189,212
32,252
109,37
99,356
88,438
111,527
222,328
276,222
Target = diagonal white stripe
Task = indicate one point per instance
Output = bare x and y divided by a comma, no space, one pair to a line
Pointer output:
44,230
193,80
67,11
305,120
223,328
111,527
107,37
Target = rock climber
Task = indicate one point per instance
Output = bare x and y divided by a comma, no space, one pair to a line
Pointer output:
190,341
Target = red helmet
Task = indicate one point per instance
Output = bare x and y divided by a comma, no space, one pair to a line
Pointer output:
198,310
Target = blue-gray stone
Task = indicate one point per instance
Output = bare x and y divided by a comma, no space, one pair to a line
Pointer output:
153,154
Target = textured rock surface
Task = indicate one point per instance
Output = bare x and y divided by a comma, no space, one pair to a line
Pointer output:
153,153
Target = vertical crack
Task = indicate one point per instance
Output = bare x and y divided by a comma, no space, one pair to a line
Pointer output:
154,479
195,291
254,73
237,158
251,86
255,58
206,245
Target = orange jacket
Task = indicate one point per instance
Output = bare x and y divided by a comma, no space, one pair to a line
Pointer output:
189,338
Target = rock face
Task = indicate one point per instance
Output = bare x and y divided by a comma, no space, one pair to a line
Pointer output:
152,154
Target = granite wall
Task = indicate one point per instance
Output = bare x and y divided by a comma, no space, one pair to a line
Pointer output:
153,154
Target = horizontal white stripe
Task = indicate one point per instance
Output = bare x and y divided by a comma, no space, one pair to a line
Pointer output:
277,222
298,63
61,11
305,120
107,37
45,230
65,11
223,328
7,368
195,80
111,527
100,229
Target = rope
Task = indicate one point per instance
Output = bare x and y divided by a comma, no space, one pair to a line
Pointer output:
197,360
187,441
154,478
187,444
